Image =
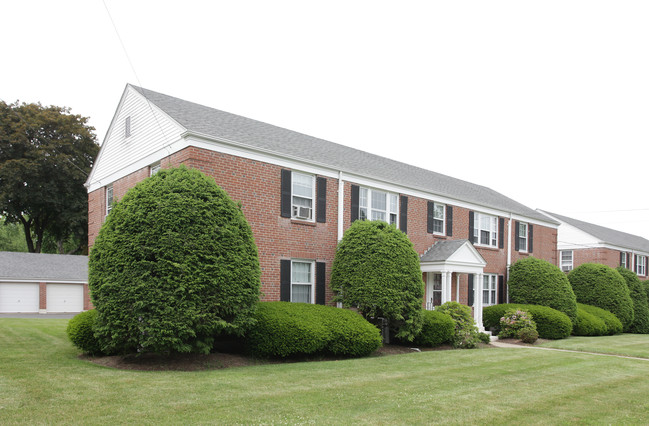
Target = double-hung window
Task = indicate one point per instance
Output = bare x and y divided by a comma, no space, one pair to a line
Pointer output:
439,217
641,265
378,205
485,231
109,199
624,262
302,281
154,168
302,196
522,236
489,289
566,260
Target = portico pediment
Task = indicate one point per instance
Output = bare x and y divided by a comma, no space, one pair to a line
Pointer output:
455,255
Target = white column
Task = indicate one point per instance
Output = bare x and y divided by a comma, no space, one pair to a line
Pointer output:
477,300
449,283
457,287
341,202
445,294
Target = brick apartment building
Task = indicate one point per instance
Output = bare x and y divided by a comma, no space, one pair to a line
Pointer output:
581,242
300,193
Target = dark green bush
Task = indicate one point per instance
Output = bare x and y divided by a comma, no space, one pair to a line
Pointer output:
174,264
613,325
81,334
528,335
484,338
438,328
287,329
376,269
466,332
638,295
588,324
550,323
535,281
602,286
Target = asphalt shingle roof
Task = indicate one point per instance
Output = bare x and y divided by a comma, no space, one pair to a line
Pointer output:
40,266
606,235
442,250
255,134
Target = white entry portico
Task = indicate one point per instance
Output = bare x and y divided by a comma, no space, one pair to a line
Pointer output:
446,258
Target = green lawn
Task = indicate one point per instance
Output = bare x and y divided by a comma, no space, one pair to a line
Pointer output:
42,381
624,344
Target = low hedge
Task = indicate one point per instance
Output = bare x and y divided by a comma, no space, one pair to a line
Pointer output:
438,328
81,333
588,324
550,323
638,295
287,329
613,324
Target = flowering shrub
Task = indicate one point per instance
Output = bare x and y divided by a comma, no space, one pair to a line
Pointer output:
514,322
466,333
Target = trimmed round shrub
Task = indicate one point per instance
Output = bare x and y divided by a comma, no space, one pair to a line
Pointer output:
602,286
174,264
515,321
376,269
588,324
638,295
287,329
465,335
438,328
535,281
81,332
550,323
613,325
528,335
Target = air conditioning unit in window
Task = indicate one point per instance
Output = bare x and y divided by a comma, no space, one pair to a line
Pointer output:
300,212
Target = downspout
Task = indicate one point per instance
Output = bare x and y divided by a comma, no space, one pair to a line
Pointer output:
509,251
341,201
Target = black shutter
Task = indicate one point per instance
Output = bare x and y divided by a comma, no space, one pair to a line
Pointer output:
471,227
355,193
431,217
471,291
286,193
403,215
449,221
321,199
530,236
517,229
501,289
285,280
501,232
621,258
320,283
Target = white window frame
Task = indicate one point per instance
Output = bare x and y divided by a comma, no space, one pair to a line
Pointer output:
478,229
489,289
625,262
640,265
366,211
154,168
437,220
522,236
311,281
295,208
567,265
109,198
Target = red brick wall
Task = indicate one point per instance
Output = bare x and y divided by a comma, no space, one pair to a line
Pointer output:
257,185
604,256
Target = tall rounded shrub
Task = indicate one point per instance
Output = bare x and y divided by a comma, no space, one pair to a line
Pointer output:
376,269
602,286
538,282
638,295
174,264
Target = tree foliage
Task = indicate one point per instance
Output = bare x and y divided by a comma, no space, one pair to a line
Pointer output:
376,269
174,264
638,295
46,154
538,282
602,286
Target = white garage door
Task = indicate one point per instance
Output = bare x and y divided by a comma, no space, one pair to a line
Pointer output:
18,297
64,298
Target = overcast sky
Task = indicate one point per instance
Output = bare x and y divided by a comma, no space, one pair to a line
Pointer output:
546,102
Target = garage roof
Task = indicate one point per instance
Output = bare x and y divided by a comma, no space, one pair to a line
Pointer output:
43,267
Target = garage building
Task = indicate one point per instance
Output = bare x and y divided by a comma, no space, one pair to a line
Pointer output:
43,283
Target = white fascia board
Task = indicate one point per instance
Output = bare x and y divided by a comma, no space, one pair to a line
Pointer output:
41,280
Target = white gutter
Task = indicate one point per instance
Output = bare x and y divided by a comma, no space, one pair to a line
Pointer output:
341,202
509,251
